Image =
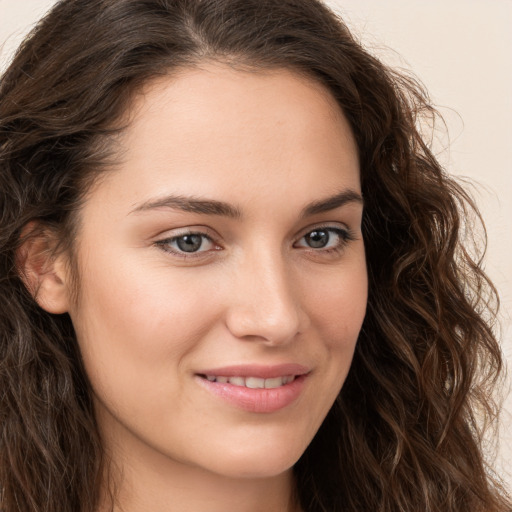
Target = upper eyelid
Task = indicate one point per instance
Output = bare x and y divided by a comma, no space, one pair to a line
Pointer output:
214,236
327,227
170,234
199,233
335,225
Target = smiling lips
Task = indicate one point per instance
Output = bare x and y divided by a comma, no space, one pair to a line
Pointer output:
258,389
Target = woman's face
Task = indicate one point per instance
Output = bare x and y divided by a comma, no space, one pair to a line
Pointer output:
222,277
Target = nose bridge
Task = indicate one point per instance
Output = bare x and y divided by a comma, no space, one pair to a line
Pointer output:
264,304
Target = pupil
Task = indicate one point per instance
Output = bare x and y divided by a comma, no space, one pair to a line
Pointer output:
317,239
189,243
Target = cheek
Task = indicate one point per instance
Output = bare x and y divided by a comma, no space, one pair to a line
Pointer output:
337,310
339,315
132,297
130,321
338,307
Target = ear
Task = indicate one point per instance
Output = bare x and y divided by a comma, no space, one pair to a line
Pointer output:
42,269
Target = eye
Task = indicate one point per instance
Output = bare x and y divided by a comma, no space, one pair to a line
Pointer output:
187,243
325,238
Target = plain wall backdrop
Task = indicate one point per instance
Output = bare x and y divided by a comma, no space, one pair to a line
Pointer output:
462,51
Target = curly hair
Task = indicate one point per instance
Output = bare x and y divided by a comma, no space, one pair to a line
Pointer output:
406,431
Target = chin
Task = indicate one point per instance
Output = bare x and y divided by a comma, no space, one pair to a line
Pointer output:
260,463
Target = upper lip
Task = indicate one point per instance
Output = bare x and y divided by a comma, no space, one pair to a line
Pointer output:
257,370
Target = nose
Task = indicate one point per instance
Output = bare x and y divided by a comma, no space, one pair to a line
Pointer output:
265,304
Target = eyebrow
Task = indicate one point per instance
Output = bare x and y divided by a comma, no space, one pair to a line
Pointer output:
220,208
331,203
191,204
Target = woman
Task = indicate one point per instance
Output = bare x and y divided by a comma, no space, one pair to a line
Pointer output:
197,311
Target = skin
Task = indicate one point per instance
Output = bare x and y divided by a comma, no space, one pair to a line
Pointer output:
148,319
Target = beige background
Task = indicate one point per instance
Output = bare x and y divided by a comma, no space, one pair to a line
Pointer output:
462,51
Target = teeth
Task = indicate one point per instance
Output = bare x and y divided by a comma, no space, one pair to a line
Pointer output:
276,382
253,382
237,381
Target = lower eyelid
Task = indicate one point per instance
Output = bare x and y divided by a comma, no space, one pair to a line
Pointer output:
345,235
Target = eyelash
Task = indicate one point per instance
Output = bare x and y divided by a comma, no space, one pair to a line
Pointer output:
345,236
165,245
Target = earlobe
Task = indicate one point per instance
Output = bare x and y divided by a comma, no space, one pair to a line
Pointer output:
42,270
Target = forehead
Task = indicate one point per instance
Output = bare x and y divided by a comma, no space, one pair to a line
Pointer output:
217,130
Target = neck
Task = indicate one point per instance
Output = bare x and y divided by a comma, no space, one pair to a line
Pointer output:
194,491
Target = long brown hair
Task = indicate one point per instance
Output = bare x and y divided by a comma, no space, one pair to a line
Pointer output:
405,433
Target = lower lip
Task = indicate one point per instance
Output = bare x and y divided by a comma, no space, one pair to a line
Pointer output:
256,400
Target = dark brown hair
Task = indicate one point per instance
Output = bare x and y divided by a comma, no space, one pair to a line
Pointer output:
405,432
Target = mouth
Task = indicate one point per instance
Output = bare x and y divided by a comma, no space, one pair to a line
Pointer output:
254,388
251,382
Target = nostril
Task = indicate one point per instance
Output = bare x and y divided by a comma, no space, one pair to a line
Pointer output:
252,324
